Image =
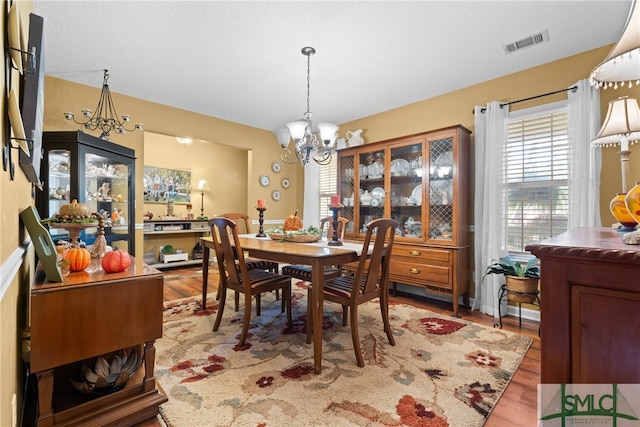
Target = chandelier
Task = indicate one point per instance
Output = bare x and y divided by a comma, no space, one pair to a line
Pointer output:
105,116
307,145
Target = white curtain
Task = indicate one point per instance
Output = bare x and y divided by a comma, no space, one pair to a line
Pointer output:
585,161
311,208
490,202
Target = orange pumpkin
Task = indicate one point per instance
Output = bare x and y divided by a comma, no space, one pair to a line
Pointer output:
292,223
79,259
116,261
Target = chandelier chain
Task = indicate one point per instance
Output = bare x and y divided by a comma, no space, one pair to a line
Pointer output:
308,85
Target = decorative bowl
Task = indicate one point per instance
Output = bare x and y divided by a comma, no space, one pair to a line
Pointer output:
297,238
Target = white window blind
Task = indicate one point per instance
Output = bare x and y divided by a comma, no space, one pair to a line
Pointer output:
328,185
537,173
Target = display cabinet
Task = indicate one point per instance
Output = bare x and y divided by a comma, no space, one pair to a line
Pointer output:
93,171
421,181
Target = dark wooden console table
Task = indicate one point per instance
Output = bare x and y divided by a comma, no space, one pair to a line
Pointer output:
590,325
81,318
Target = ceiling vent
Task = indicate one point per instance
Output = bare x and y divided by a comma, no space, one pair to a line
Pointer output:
540,37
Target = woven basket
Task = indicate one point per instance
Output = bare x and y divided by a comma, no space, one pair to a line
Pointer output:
522,289
297,238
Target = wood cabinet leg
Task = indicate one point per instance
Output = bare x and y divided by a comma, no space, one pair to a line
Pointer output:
149,365
45,395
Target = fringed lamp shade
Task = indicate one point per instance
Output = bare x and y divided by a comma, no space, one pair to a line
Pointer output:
622,124
622,66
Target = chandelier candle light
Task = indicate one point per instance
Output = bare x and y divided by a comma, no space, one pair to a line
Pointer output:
105,116
307,145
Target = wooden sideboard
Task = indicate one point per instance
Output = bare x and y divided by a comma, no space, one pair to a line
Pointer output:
590,320
89,314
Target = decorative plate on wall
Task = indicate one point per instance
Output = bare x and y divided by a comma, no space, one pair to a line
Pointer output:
264,180
275,166
285,183
276,195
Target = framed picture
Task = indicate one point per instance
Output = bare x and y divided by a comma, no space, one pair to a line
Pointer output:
162,185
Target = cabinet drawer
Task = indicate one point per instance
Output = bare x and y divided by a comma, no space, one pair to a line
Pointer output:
417,273
200,226
421,253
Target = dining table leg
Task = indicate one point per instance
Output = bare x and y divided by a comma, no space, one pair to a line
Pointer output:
317,280
205,274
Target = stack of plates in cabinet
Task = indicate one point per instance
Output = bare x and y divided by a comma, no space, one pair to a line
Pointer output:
400,167
377,196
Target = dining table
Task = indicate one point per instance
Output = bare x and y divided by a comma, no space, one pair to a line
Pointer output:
316,254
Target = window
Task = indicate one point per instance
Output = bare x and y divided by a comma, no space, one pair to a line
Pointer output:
328,185
536,165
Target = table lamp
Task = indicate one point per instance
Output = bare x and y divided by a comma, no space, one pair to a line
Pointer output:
202,186
621,126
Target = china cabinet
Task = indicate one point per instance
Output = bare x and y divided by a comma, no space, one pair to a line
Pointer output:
421,181
93,171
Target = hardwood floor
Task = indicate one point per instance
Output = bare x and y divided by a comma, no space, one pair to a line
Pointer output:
516,407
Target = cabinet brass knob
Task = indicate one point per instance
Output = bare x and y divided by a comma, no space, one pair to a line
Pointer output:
415,253
414,271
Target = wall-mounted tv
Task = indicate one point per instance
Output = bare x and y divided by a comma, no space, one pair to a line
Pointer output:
32,100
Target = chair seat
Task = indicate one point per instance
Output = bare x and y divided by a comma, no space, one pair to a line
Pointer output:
342,286
265,279
303,272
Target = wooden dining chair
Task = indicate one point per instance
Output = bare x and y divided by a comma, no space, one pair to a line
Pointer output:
303,272
252,263
236,276
370,281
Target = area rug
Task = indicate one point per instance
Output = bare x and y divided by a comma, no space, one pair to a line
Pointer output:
443,371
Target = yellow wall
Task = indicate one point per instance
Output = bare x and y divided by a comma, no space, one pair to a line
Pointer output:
228,186
62,96
262,149
457,108
15,262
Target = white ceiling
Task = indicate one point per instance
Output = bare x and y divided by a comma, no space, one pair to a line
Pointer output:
241,60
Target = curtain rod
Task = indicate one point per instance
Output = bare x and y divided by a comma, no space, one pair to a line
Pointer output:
572,89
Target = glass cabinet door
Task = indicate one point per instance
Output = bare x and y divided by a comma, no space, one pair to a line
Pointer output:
441,189
371,194
106,186
347,188
406,196
58,181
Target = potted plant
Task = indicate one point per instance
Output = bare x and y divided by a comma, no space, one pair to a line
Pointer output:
521,280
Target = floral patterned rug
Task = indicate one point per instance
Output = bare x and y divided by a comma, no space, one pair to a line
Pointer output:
443,371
